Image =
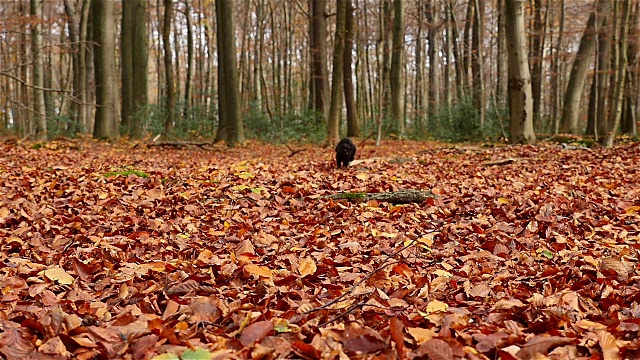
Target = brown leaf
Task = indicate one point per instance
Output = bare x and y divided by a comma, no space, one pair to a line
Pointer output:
397,334
612,267
541,345
435,349
255,332
363,340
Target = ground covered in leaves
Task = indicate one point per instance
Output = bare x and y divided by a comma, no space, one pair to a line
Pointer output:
116,251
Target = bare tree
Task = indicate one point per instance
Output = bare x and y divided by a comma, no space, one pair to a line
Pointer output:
333,123
571,108
104,37
170,90
38,72
521,102
228,82
397,65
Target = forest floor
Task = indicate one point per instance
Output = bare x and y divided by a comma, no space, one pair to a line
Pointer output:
115,251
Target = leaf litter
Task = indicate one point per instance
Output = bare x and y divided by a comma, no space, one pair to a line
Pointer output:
237,253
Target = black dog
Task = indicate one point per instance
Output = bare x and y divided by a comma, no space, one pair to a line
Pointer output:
345,152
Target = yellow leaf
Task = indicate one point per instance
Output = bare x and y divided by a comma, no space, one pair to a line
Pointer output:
436,306
59,275
421,335
443,273
504,200
307,267
245,175
4,212
260,271
629,210
362,176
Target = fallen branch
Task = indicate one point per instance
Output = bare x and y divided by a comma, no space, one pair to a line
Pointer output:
293,152
394,197
501,162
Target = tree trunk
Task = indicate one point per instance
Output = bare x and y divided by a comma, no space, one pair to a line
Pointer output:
319,72
397,66
537,48
596,123
433,18
556,99
501,56
353,127
333,123
478,59
126,62
190,60
140,64
170,91
616,108
106,118
229,81
38,72
76,45
579,71
520,100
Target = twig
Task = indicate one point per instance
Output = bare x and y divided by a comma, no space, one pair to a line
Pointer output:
365,140
354,286
293,152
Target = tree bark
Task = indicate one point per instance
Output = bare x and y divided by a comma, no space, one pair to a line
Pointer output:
477,60
170,91
140,63
106,121
353,127
579,71
319,72
397,65
616,106
229,81
74,36
520,100
38,72
190,59
433,18
333,123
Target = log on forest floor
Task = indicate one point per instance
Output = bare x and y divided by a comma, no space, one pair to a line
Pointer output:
207,145
394,197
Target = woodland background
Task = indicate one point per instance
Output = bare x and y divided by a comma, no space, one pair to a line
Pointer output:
296,69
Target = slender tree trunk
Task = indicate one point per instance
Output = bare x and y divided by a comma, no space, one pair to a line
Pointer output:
478,59
333,122
319,56
502,63
353,127
616,108
126,62
433,17
448,55
106,121
520,98
74,36
140,66
397,65
537,48
38,73
556,99
579,71
597,123
190,60
229,80
170,92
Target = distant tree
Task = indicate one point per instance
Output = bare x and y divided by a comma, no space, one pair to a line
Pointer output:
104,37
579,71
38,72
333,122
319,73
521,102
170,89
353,127
228,82
134,63
397,65
620,75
